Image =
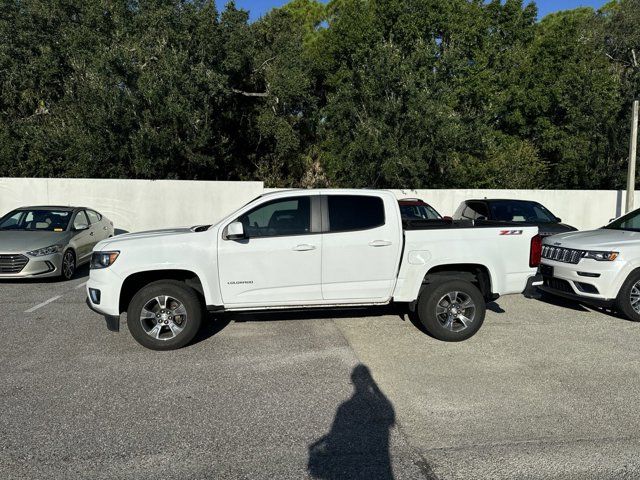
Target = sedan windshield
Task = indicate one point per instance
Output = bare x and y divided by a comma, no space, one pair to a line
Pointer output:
630,221
36,220
520,211
419,212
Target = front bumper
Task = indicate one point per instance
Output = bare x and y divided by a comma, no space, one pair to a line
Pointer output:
589,282
37,267
113,321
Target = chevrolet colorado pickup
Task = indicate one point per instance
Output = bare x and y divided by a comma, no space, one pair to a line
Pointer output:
599,267
303,249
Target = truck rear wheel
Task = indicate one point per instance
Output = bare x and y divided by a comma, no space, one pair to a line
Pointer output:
451,311
164,315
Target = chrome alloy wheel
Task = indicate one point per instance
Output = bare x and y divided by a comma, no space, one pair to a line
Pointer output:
634,297
163,317
68,264
456,311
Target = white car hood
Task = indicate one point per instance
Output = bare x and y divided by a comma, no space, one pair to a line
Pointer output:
601,239
113,242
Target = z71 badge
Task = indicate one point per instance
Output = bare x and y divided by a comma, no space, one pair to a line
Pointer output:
510,232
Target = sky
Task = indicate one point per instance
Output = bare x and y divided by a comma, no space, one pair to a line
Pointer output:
260,7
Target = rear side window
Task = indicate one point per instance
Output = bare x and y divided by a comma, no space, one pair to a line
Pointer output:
354,212
94,217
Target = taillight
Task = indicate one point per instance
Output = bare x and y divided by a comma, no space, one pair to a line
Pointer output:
535,254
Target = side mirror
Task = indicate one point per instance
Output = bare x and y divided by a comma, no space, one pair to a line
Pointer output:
82,226
447,218
558,219
235,231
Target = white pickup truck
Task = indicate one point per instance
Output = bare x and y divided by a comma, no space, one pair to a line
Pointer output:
309,248
599,267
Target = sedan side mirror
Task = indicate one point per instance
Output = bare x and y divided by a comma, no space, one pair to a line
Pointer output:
558,219
235,231
82,226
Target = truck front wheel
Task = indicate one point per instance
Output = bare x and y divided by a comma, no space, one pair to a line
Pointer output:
164,315
451,311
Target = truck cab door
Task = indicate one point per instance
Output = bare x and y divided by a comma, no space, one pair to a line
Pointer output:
361,247
278,260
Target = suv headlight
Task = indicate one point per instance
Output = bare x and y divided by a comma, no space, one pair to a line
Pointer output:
45,251
601,256
102,259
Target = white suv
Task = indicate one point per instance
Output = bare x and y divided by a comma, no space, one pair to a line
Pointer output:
599,267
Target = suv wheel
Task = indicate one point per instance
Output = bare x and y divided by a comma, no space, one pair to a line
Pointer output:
451,311
628,300
164,315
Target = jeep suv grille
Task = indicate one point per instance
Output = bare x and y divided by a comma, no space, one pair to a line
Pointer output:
559,254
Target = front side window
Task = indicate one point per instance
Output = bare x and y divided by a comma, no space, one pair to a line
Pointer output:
80,221
287,216
354,212
49,220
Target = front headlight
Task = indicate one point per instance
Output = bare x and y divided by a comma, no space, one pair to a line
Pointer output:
601,256
102,259
45,251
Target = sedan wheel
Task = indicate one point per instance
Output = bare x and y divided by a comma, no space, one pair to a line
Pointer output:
68,265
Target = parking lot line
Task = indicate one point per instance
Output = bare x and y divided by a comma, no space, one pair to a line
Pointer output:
40,305
78,287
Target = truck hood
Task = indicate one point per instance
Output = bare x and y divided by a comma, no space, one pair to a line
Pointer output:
12,241
126,238
601,239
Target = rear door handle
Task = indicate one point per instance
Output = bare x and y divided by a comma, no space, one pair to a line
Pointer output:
304,247
380,243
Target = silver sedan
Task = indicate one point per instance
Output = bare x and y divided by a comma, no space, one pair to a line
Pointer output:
49,241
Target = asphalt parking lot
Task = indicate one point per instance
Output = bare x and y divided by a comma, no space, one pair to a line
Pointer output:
542,391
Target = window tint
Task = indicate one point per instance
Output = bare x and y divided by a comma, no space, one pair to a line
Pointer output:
631,221
520,211
94,217
480,209
81,220
288,216
354,212
418,212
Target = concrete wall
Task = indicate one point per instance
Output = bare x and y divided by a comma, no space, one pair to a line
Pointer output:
136,205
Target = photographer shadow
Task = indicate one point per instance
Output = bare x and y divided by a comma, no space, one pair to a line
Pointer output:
357,446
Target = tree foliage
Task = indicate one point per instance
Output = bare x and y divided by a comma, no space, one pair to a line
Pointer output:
360,93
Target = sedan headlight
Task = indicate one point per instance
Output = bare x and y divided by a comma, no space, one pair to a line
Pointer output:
601,256
102,259
45,251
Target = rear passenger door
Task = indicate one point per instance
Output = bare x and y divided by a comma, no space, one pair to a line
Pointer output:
99,229
360,248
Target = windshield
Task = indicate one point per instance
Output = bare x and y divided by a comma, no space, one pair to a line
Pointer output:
419,212
630,221
519,211
36,220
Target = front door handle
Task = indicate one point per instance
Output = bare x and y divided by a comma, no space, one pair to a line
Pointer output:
91,234
304,247
380,243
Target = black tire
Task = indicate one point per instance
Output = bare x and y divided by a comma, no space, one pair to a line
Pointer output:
623,301
68,273
432,301
166,338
